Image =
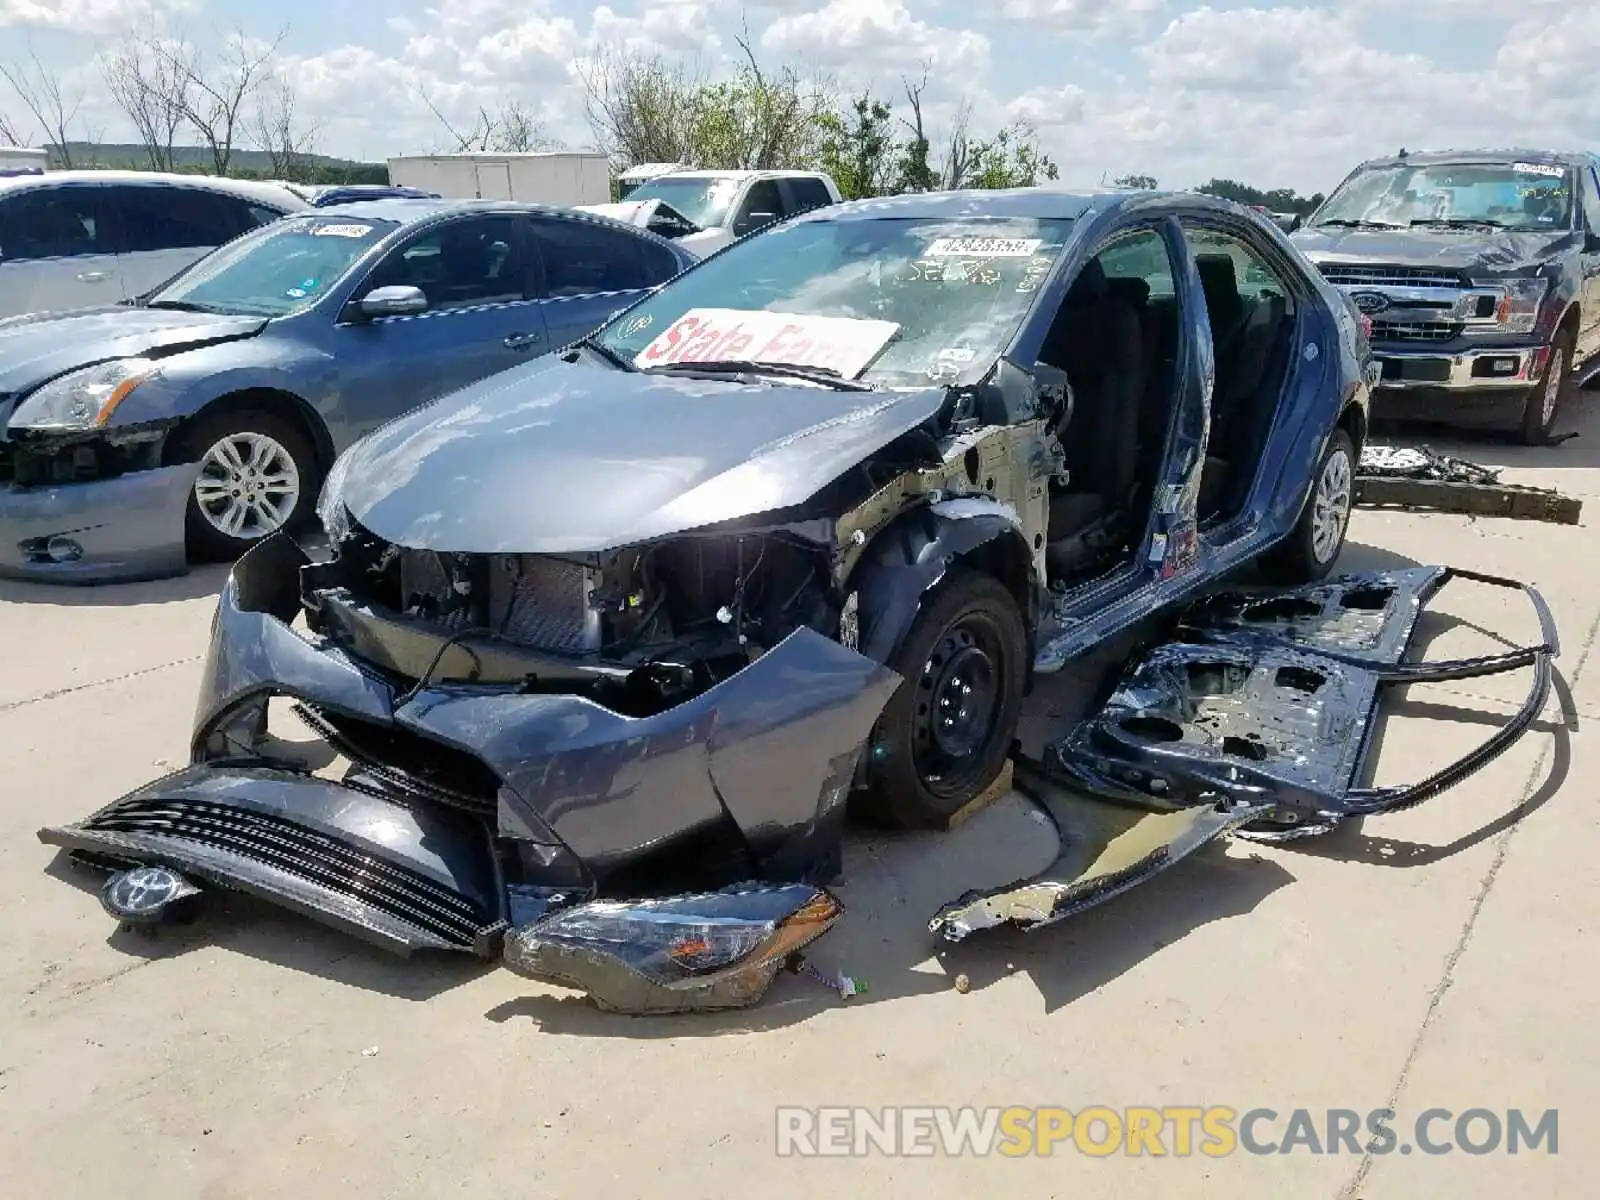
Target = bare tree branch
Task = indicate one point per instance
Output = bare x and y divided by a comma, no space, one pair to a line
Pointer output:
216,98
41,92
289,144
511,129
8,132
640,108
149,78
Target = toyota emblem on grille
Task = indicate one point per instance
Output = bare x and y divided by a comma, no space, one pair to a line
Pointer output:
141,895
1370,302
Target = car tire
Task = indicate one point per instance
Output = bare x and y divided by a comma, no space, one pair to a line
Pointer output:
1310,551
258,474
968,640
1555,392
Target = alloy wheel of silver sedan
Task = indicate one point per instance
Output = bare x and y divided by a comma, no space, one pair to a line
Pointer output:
1331,505
248,485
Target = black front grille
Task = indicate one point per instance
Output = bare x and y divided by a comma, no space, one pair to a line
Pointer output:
1358,275
396,891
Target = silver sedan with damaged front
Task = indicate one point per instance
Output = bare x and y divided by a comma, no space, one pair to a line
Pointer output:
202,417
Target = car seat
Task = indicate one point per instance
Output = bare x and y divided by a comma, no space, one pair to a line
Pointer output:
1098,341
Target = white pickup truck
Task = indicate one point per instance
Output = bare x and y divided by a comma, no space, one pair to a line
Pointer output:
705,210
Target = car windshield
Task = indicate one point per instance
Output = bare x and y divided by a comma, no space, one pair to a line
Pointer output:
276,271
703,201
896,302
1520,195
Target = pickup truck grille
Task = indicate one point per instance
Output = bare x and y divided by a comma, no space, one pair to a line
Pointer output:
1348,275
1415,331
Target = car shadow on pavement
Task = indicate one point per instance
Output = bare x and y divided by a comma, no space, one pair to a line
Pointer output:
201,581
1499,448
1352,843
883,939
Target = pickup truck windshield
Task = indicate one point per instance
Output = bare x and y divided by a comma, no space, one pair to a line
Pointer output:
1522,195
703,201
896,302
276,271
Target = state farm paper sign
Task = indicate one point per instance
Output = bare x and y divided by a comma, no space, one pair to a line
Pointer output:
841,344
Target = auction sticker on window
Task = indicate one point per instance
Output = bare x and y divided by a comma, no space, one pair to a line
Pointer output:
348,231
1550,169
982,247
842,344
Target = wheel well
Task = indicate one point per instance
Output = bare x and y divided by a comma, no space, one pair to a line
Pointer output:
1007,559
1354,422
271,400
1569,319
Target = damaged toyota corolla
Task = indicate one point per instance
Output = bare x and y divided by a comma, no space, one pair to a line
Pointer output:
605,646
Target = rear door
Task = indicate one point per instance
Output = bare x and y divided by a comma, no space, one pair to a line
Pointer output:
589,270
55,250
475,272
162,228
804,192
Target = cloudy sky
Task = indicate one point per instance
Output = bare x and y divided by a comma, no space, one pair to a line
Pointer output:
1287,95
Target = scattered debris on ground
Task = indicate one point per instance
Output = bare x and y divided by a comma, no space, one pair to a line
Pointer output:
1419,479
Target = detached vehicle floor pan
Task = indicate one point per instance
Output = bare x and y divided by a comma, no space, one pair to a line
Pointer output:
1267,700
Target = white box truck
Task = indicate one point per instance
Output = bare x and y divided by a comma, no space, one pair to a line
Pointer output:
15,160
558,177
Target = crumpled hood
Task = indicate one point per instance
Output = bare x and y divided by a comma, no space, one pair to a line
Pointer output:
1490,251
557,457
40,346
629,212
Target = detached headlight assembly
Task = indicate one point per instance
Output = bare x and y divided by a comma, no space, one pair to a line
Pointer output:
712,950
84,399
1518,308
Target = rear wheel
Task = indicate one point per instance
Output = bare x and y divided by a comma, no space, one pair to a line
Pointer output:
1308,554
1555,391
258,474
944,735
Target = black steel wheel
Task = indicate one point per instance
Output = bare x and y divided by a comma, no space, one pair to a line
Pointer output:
944,735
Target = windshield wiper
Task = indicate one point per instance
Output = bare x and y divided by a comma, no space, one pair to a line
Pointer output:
181,306
605,352
1460,222
1352,223
826,376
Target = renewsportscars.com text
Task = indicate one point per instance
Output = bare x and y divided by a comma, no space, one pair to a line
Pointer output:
1169,1131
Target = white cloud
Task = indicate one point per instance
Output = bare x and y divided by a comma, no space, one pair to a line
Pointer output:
1085,16
85,16
880,37
1045,108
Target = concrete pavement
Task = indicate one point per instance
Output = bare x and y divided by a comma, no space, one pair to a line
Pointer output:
1437,958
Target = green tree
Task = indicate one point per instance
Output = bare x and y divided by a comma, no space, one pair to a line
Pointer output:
1010,159
1143,183
858,146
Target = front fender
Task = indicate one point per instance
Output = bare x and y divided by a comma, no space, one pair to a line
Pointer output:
192,380
910,557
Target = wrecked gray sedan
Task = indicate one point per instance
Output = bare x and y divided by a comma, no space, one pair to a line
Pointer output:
606,646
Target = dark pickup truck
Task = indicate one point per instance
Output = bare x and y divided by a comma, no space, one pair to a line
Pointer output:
1480,273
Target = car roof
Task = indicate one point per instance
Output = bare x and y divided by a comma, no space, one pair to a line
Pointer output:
1513,154
247,189
1034,202
406,211
740,174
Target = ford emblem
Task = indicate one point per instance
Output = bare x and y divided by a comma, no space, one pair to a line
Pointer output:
1370,302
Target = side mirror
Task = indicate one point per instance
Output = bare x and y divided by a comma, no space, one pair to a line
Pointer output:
1591,242
395,301
754,221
